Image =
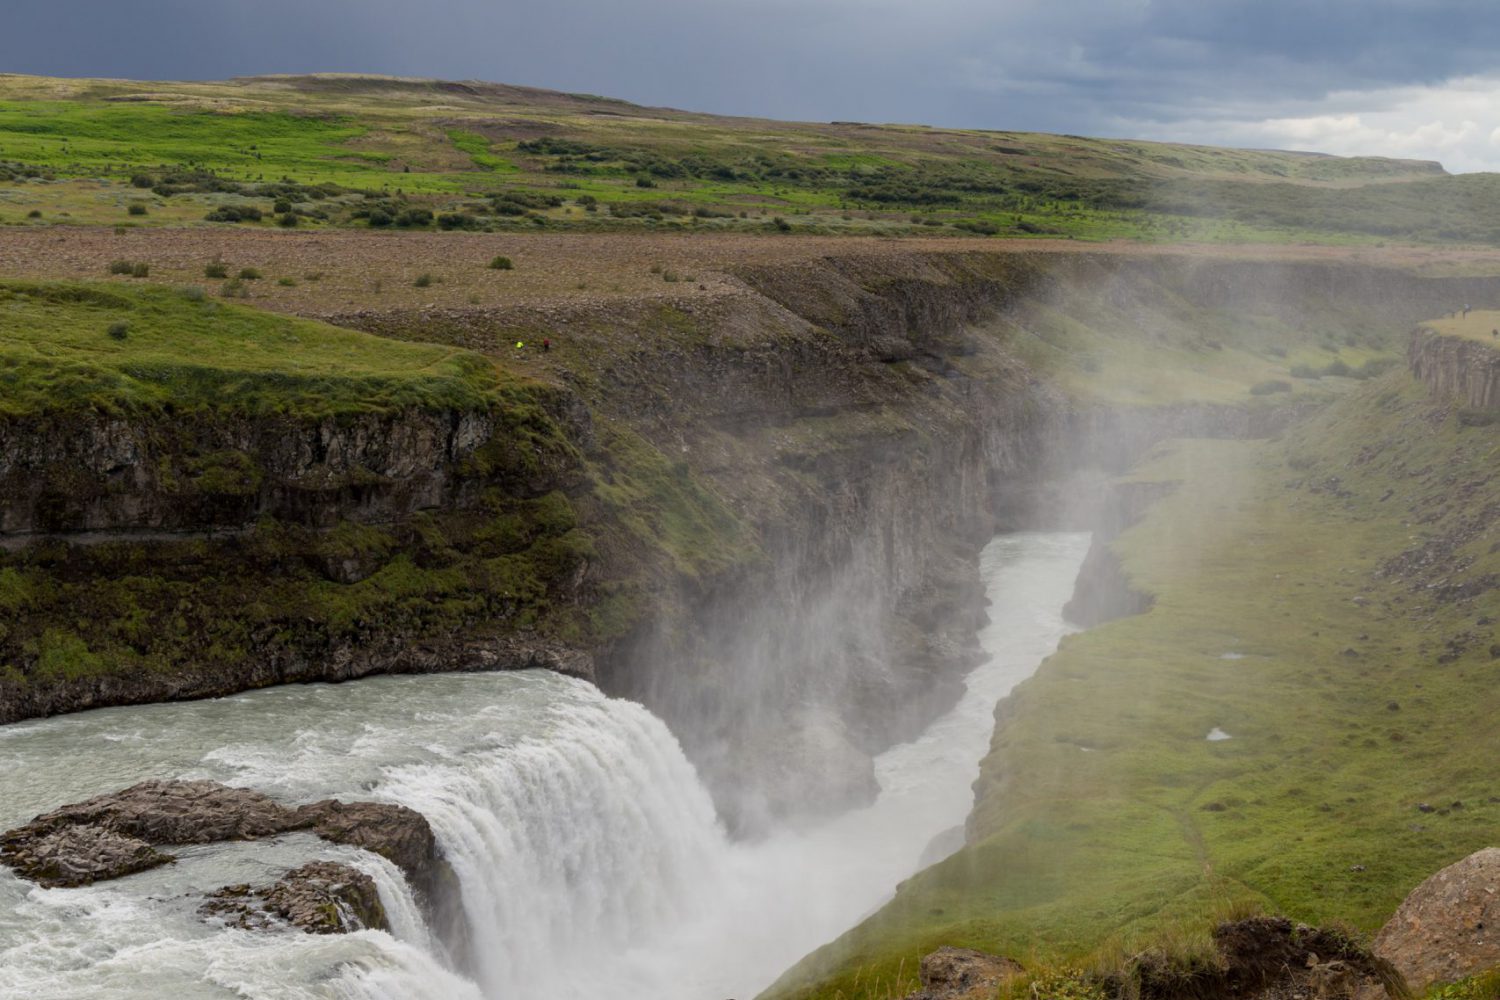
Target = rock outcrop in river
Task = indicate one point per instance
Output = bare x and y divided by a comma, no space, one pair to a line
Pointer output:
118,834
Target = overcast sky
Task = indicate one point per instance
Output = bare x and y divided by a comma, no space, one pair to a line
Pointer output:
1413,78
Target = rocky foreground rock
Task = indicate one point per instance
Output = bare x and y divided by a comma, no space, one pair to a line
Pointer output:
963,974
1449,926
121,833
322,897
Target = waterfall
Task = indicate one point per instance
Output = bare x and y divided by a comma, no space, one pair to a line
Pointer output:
588,854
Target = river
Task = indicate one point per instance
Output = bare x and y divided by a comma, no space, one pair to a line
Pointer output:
589,854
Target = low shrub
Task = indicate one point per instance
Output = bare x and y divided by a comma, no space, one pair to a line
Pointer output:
414,218
234,213
119,331
136,208
287,220
249,274
423,280
121,267
502,263
143,181
215,269
234,288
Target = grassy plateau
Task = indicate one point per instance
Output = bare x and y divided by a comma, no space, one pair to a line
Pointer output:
329,150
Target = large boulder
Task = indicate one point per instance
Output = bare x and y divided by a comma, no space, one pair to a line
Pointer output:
322,897
963,974
1449,926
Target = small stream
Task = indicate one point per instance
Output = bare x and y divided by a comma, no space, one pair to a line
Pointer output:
590,858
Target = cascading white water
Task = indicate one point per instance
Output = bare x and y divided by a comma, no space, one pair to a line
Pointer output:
590,859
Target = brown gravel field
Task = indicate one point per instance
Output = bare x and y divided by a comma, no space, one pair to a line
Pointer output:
335,272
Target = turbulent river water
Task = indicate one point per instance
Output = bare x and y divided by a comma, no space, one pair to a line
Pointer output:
590,858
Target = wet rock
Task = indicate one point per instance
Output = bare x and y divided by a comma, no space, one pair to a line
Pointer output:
398,834
78,855
322,897
963,974
70,839
171,812
1449,926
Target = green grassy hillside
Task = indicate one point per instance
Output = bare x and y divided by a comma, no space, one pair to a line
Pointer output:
339,150
115,348
1329,601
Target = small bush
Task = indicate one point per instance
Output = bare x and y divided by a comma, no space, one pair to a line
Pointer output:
282,206
644,182
215,270
139,270
1269,386
121,267
287,282
781,224
249,274
380,218
234,288
502,263
35,213
456,220
143,181
423,280
1336,367
414,217
194,293
234,213
119,331
287,220
136,208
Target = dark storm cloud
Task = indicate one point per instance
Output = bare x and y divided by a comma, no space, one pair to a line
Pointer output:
1080,66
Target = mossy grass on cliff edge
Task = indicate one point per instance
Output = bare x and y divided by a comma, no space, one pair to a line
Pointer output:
121,349
1328,601
1482,325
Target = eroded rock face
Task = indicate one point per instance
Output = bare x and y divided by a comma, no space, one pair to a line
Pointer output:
322,897
1449,926
963,974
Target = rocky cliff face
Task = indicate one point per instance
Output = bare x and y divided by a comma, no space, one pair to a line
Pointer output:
103,475
1457,367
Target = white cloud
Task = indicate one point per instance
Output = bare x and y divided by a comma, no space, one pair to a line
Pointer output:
1456,122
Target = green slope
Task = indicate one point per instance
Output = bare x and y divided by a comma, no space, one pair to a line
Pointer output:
1328,600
